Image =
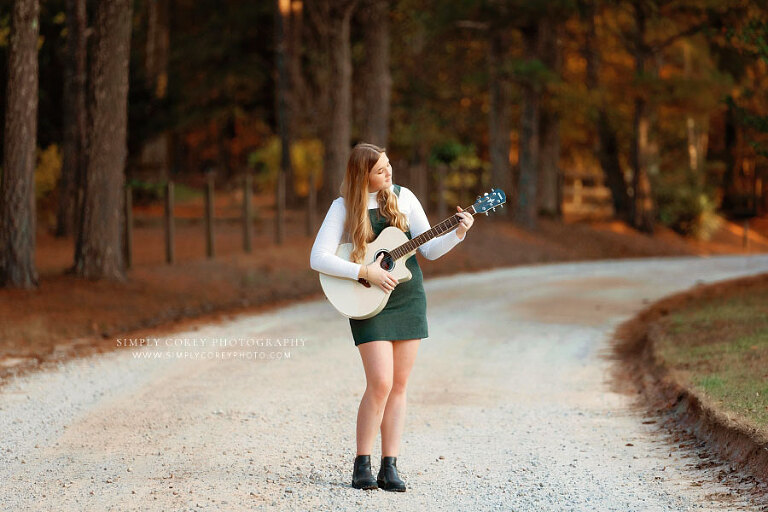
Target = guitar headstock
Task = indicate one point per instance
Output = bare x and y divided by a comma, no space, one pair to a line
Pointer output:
490,201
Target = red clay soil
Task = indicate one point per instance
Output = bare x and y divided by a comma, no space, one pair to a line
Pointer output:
640,372
68,316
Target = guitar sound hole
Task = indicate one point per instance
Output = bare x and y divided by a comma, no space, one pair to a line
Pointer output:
387,263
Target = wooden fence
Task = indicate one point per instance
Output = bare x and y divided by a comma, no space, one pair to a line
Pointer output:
585,197
208,220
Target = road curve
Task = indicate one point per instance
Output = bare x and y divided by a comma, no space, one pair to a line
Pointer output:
508,408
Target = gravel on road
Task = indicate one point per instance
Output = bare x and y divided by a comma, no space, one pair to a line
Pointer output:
509,408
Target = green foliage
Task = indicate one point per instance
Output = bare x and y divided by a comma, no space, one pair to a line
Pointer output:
306,159
5,30
754,34
144,192
751,40
684,205
758,123
182,192
465,170
448,151
438,76
220,60
531,71
47,171
221,67
470,160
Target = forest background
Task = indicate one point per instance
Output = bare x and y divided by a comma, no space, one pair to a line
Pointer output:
661,105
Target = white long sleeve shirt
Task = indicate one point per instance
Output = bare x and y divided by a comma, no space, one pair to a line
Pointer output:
323,256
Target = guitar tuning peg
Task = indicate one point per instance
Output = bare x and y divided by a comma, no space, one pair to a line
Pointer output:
486,214
486,194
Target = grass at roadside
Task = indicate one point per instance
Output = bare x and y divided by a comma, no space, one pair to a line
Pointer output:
719,347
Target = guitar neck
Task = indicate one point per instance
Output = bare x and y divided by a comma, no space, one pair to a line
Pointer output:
436,230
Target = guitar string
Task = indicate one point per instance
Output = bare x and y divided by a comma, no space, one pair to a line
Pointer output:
436,230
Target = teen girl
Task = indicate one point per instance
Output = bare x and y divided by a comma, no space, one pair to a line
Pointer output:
387,342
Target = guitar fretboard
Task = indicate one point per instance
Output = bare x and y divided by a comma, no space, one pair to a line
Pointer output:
436,230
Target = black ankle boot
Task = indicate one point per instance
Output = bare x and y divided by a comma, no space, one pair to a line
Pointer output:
388,478
362,478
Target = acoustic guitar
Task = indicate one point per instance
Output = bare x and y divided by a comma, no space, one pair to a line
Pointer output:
358,299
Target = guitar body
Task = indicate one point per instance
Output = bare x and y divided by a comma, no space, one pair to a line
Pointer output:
356,300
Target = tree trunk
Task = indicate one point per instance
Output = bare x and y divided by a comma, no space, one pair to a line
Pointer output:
608,152
376,75
549,126
285,177
294,54
286,104
307,66
698,136
157,46
642,202
642,213
155,154
336,133
697,130
642,206
608,144
499,117
728,185
17,192
525,208
549,173
74,121
101,254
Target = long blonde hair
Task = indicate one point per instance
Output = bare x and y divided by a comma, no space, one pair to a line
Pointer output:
354,190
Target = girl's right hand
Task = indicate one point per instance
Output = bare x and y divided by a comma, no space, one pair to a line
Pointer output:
380,277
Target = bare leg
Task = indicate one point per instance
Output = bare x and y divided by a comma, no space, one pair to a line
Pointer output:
404,355
377,361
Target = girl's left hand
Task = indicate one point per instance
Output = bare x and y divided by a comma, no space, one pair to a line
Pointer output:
466,222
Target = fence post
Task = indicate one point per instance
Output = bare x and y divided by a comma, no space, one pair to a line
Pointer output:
247,212
209,248
577,189
128,226
280,207
170,254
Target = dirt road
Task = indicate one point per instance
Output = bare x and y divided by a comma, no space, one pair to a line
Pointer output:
509,409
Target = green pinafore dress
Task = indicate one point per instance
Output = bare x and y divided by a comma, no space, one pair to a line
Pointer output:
405,315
